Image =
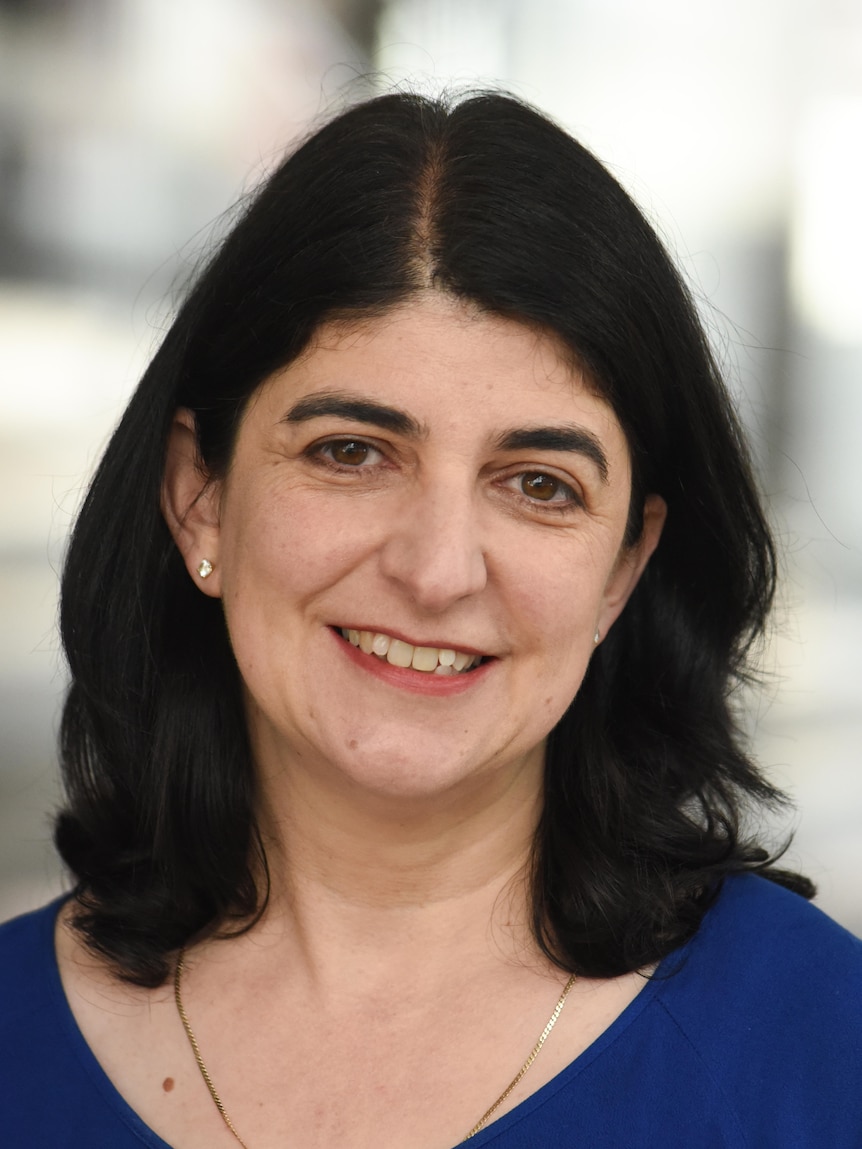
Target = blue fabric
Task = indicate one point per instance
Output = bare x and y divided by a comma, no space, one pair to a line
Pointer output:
751,1036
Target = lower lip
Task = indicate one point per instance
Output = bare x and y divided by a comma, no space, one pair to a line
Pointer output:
415,681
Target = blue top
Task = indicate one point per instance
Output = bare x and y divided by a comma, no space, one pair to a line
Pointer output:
750,1036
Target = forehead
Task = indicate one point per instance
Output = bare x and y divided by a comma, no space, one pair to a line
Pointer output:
440,358
454,333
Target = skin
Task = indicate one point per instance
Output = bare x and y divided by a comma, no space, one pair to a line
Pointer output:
393,988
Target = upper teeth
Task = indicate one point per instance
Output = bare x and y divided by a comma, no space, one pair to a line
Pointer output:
432,659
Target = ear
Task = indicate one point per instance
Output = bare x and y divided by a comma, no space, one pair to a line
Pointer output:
190,503
631,564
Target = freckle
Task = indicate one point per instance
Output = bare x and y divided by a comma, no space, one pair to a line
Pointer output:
168,1084
352,744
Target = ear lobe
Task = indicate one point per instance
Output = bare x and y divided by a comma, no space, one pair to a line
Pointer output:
190,502
632,564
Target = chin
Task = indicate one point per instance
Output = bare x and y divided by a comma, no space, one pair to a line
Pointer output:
404,779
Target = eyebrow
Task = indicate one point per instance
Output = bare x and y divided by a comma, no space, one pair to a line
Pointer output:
565,438
353,407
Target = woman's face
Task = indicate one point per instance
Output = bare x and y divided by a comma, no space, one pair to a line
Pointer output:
419,492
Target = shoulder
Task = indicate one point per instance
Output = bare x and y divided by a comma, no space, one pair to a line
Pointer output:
748,1037
26,962
760,935
52,1089
32,1015
767,998
33,1042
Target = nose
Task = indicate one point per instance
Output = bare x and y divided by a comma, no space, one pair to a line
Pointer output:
434,549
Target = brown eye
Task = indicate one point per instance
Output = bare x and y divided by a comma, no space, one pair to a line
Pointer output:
349,452
543,487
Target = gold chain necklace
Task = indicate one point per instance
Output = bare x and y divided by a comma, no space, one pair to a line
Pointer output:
219,1104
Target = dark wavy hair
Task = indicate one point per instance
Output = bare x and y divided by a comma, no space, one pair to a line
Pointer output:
647,781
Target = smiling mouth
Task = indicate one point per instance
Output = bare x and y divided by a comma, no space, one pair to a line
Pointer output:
441,661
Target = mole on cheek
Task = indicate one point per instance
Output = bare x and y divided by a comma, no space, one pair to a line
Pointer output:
168,1084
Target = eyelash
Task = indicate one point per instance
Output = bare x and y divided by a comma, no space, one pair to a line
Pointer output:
321,453
571,501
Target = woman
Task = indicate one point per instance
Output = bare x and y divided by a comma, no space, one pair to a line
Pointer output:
403,617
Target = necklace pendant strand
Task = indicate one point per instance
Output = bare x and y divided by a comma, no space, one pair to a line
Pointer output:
480,1124
543,1036
178,998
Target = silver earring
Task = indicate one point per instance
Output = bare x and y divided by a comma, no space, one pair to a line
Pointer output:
596,637
205,568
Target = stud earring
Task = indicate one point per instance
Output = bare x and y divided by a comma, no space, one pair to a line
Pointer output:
205,568
596,637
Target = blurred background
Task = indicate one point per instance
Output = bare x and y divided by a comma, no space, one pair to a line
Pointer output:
128,127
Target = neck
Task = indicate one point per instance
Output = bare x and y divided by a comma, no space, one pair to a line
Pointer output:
357,875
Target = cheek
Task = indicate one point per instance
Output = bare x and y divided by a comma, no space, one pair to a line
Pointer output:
557,600
288,544
558,597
